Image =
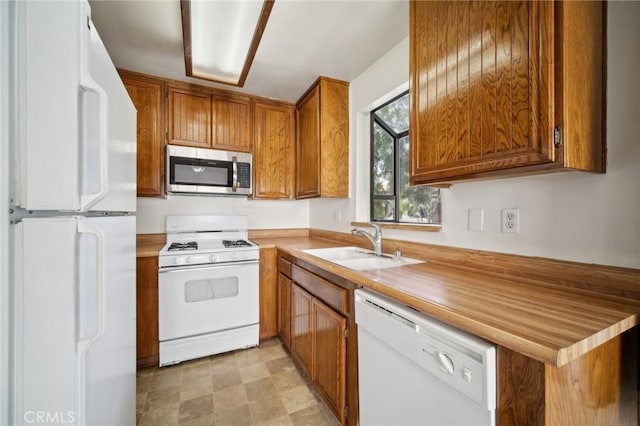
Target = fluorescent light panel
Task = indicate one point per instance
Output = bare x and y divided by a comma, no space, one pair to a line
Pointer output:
221,37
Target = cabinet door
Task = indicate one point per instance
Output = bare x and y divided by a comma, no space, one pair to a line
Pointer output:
189,118
481,87
301,328
273,151
147,341
148,100
334,138
330,355
268,292
231,123
308,146
284,309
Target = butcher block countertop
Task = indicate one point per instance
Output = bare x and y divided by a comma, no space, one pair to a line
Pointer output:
546,320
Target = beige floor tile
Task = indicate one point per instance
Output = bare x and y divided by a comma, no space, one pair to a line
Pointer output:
192,371
280,421
267,409
143,383
141,400
296,399
230,397
195,408
248,357
270,342
162,397
310,416
259,389
225,380
208,420
145,372
195,388
223,365
287,380
165,378
274,352
277,365
165,415
239,416
253,372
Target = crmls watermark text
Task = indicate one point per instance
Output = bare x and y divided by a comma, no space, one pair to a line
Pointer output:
48,417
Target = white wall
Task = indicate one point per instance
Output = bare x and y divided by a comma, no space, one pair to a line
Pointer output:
573,216
263,214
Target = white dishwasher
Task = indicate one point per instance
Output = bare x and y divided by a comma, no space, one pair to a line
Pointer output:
415,370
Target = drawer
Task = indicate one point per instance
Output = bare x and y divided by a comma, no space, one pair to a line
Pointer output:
329,293
284,266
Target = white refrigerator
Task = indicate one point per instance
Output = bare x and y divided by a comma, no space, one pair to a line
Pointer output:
72,234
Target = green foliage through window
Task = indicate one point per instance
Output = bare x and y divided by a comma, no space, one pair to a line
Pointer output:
392,199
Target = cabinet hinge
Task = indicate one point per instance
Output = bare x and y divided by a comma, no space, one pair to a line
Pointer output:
346,332
166,136
346,411
557,137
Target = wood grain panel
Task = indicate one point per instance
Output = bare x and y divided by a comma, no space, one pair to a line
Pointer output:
284,266
274,152
329,293
189,118
474,54
308,145
268,292
520,390
149,245
147,340
462,82
301,328
334,137
147,97
586,391
330,356
581,115
231,123
284,309
503,79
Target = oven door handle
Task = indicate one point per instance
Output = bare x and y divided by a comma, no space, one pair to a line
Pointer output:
234,184
182,268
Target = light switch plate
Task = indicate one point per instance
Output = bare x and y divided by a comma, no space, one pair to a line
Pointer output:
475,220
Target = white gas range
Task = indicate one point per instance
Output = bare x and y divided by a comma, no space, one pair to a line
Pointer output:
208,288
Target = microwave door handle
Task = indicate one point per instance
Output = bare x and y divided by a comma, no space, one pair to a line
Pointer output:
234,184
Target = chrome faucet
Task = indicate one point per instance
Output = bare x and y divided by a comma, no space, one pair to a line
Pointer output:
375,237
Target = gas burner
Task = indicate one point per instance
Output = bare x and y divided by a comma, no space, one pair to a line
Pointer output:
189,245
235,243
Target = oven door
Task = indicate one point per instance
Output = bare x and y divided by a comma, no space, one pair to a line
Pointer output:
199,300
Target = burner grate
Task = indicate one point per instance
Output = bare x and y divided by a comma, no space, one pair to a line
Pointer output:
189,245
235,243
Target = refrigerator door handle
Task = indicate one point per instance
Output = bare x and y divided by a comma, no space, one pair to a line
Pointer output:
89,85
85,344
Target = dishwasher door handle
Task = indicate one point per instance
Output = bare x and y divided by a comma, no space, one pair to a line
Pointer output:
389,313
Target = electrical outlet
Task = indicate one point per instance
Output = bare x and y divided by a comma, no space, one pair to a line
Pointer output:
510,221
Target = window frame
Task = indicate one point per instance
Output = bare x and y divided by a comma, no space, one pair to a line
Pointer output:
374,119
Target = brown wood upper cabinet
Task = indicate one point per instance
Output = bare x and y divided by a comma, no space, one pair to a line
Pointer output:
204,120
273,151
506,87
323,140
189,118
147,96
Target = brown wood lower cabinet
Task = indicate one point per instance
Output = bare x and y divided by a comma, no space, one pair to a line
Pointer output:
268,292
147,311
284,309
301,328
329,353
315,316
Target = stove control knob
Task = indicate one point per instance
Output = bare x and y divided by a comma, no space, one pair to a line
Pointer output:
213,257
180,261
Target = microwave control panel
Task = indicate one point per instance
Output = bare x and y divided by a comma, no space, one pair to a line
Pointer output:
244,175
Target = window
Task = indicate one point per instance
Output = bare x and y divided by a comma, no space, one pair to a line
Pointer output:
392,199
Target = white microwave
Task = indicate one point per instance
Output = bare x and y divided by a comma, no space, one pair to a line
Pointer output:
208,171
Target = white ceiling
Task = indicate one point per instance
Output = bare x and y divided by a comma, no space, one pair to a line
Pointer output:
303,39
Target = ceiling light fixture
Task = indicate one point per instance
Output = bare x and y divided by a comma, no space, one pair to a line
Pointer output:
221,37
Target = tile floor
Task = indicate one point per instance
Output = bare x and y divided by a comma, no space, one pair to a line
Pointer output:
257,386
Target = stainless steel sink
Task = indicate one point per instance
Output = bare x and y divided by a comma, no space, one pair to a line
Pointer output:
360,259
